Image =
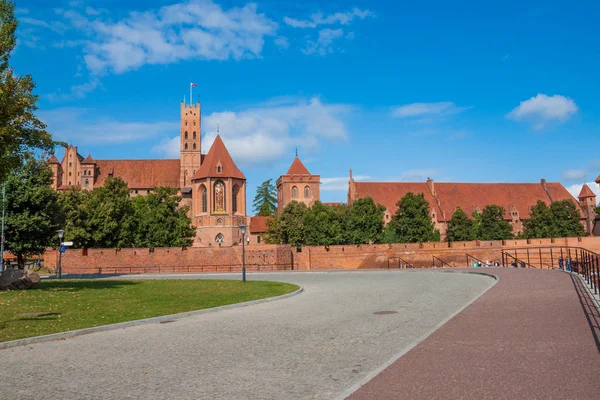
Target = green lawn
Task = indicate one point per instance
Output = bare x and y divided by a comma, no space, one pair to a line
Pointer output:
58,306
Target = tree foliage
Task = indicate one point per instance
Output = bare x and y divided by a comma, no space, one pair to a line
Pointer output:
460,227
364,222
289,226
323,225
412,221
561,219
265,201
107,217
32,211
492,225
21,133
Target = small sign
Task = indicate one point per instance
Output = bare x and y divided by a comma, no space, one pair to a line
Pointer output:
63,249
68,244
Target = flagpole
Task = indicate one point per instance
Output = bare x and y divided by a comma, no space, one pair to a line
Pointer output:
191,102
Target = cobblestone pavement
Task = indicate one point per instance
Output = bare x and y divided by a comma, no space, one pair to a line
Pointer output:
534,335
315,345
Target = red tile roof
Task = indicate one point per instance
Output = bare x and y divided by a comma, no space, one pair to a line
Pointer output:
586,192
67,187
597,180
332,204
88,160
218,154
297,168
140,174
258,224
469,196
53,160
389,193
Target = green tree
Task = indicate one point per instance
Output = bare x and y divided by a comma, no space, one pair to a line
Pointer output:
21,133
158,221
323,225
265,201
565,219
412,221
539,223
289,226
597,210
32,211
460,227
389,234
74,214
364,222
493,226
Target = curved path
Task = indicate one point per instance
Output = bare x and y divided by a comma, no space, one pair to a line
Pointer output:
534,335
312,346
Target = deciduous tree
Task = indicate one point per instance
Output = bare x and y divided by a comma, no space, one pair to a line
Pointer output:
289,227
493,226
32,212
412,221
364,222
460,227
21,132
323,225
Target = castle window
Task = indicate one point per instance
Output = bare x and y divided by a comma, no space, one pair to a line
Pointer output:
69,173
306,192
194,123
234,196
220,238
186,146
219,168
70,164
194,134
219,221
204,202
185,123
258,239
194,146
294,192
186,134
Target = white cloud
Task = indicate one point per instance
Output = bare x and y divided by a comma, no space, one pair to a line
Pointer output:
336,18
573,175
55,26
282,42
575,189
324,44
542,109
340,183
76,91
263,134
194,29
427,109
75,125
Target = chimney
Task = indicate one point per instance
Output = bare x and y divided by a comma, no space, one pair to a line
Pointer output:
431,186
543,182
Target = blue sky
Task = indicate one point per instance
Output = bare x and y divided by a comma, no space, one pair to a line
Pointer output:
495,91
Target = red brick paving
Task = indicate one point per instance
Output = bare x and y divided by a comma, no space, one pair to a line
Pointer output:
528,337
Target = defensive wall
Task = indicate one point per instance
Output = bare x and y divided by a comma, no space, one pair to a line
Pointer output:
283,257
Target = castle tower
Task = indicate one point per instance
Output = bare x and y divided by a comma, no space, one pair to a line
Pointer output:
71,167
88,173
298,185
587,202
56,172
189,157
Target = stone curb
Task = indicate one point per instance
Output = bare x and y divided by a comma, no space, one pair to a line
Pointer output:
346,393
594,297
152,320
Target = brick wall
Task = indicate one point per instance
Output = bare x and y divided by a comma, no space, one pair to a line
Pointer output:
281,257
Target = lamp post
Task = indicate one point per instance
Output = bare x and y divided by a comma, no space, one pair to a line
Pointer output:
2,234
61,233
243,230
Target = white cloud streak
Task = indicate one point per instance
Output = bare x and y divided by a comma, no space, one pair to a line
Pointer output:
324,43
542,109
575,189
427,110
317,19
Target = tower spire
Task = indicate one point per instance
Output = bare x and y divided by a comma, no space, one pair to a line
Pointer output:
296,152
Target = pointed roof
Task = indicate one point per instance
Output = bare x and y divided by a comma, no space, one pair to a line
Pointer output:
598,180
218,156
585,192
297,168
88,160
53,160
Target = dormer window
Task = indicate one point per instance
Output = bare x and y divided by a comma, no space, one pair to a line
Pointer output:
219,168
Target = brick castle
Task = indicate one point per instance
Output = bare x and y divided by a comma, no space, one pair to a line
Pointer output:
215,188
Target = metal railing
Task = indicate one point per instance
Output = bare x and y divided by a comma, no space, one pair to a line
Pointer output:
442,262
402,263
572,259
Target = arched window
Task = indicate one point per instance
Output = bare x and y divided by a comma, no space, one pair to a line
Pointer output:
306,192
294,192
220,221
219,196
186,146
69,173
220,238
87,182
194,122
194,146
185,123
204,199
234,196
194,134
186,135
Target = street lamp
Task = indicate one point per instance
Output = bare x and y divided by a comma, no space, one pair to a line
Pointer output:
243,230
61,234
2,234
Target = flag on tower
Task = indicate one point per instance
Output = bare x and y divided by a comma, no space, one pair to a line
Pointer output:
193,84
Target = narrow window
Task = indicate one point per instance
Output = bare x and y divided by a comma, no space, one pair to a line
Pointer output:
258,239
186,146
234,198
306,192
194,134
204,205
186,134
294,192
194,146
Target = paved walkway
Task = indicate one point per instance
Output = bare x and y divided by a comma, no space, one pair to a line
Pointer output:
311,346
534,335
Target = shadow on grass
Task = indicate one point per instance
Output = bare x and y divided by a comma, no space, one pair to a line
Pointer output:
78,285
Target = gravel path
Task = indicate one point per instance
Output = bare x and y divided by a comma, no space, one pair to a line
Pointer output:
312,346
534,335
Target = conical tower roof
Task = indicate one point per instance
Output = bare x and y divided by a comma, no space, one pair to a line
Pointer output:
585,192
218,156
297,168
